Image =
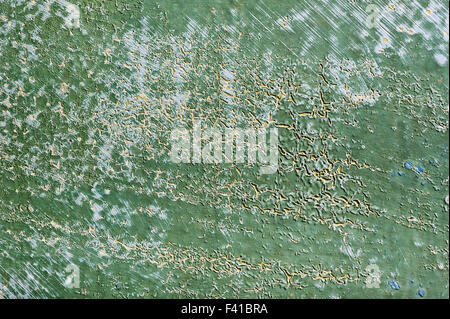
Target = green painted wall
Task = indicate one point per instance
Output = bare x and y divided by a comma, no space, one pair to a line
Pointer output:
358,95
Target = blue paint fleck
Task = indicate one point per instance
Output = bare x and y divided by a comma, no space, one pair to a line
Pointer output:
394,285
420,169
117,286
421,292
423,183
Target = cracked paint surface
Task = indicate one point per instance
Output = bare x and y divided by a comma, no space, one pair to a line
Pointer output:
90,91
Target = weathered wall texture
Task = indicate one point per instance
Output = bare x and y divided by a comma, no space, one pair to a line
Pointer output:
91,90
